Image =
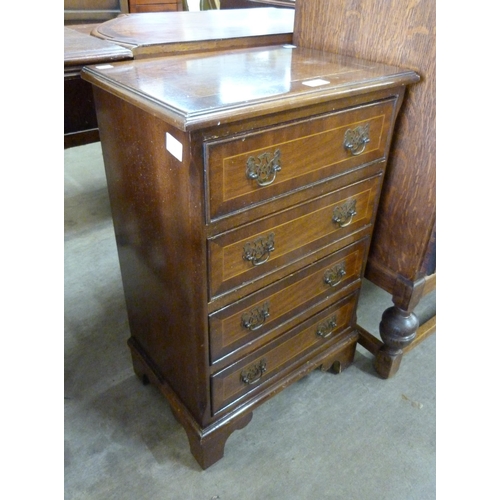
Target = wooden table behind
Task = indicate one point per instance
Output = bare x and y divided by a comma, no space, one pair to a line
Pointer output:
152,34
80,122
168,33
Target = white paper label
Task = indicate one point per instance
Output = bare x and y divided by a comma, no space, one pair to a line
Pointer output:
315,83
104,66
174,147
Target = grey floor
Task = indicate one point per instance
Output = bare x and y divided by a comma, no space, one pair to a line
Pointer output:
351,436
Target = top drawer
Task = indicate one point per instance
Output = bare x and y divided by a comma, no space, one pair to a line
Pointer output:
249,169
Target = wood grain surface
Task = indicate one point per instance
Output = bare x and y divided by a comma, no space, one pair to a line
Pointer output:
399,33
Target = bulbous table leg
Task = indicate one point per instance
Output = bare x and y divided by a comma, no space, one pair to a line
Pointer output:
398,328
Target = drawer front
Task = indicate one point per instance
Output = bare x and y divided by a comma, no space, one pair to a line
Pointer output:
257,250
256,167
258,368
163,7
153,5
263,316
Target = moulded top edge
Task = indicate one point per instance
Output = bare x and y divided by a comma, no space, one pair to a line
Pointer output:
198,89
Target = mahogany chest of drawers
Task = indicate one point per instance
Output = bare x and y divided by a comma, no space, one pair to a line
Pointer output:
243,186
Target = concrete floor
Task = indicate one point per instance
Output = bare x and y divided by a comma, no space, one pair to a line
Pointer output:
351,436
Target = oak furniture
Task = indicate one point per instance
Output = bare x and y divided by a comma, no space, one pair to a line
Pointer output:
243,186
402,257
151,34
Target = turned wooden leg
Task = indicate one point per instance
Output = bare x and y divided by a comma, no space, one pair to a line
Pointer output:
399,326
397,329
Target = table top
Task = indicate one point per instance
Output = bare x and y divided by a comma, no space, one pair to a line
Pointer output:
167,31
81,48
200,89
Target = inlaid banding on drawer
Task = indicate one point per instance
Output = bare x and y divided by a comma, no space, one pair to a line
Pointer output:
246,170
268,313
256,369
296,232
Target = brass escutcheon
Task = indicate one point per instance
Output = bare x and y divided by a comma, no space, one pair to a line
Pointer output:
255,318
326,329
344,214
254,373
264,168
355,140
259,250
334,275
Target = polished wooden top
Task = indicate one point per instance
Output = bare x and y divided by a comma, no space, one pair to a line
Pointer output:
170,32
81,48
212,88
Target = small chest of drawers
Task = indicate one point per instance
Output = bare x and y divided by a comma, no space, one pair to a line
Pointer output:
243,187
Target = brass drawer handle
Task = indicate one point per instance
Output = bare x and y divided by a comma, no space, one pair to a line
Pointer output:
326,329
259,250
334,275
255,318
254,373
355,140
344,214
264,168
